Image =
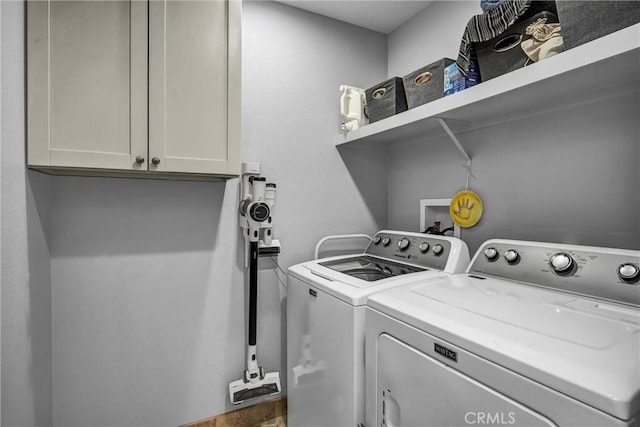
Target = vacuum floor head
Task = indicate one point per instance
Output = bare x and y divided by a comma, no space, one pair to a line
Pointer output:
241,391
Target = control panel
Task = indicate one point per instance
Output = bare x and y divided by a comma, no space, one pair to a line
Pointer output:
611,274
429,251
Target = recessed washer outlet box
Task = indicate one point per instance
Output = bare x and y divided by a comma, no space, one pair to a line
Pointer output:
432,210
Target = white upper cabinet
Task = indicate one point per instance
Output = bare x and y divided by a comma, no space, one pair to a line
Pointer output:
188,93
134,88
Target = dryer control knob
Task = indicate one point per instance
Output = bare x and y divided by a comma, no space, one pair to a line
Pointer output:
512,256
437,249
424,247
491,254
386,241
403,243
629,272
562,264
376,240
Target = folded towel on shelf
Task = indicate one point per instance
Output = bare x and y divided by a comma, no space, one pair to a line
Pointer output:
546,40
486,26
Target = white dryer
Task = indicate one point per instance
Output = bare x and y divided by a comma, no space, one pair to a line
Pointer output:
326,303
533,334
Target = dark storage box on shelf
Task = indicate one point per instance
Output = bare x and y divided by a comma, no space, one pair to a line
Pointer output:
503,53
426,84
583,21
385,99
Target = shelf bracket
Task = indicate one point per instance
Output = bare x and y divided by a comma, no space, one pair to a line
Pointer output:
459,146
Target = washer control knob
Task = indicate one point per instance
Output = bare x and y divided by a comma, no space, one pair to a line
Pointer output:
629,272
376,240
437,249
512,256
491,254
386,241
403,243
424,247
562,264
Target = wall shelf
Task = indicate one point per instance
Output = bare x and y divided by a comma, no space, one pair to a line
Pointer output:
601,68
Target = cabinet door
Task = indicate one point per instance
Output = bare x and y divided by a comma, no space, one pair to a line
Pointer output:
194,86
87,83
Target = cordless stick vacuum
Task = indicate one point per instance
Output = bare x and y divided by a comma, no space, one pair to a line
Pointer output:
254,212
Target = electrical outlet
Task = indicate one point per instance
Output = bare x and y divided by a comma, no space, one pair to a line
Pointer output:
250,168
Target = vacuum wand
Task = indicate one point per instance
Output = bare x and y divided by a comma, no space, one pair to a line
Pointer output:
253,293
253,371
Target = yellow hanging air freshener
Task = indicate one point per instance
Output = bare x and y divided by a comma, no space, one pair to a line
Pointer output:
465,208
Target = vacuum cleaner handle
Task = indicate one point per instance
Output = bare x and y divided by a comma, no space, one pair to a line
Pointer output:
253,292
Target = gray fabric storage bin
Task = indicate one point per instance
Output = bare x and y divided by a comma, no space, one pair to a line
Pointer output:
583,21
503,53
385,99
425,84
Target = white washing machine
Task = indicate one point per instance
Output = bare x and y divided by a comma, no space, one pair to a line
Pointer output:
533,334
326,303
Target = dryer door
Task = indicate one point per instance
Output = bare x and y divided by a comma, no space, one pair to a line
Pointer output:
414,389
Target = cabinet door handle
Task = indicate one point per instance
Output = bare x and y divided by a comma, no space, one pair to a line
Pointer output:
139,160
155,160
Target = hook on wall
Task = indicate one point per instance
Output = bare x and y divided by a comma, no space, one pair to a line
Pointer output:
467,166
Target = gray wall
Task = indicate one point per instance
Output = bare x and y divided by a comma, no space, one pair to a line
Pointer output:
566,176
570,176
25,267
432,34
148,278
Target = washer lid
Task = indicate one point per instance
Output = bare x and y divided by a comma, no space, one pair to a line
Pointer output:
579,346
352,289
369,268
